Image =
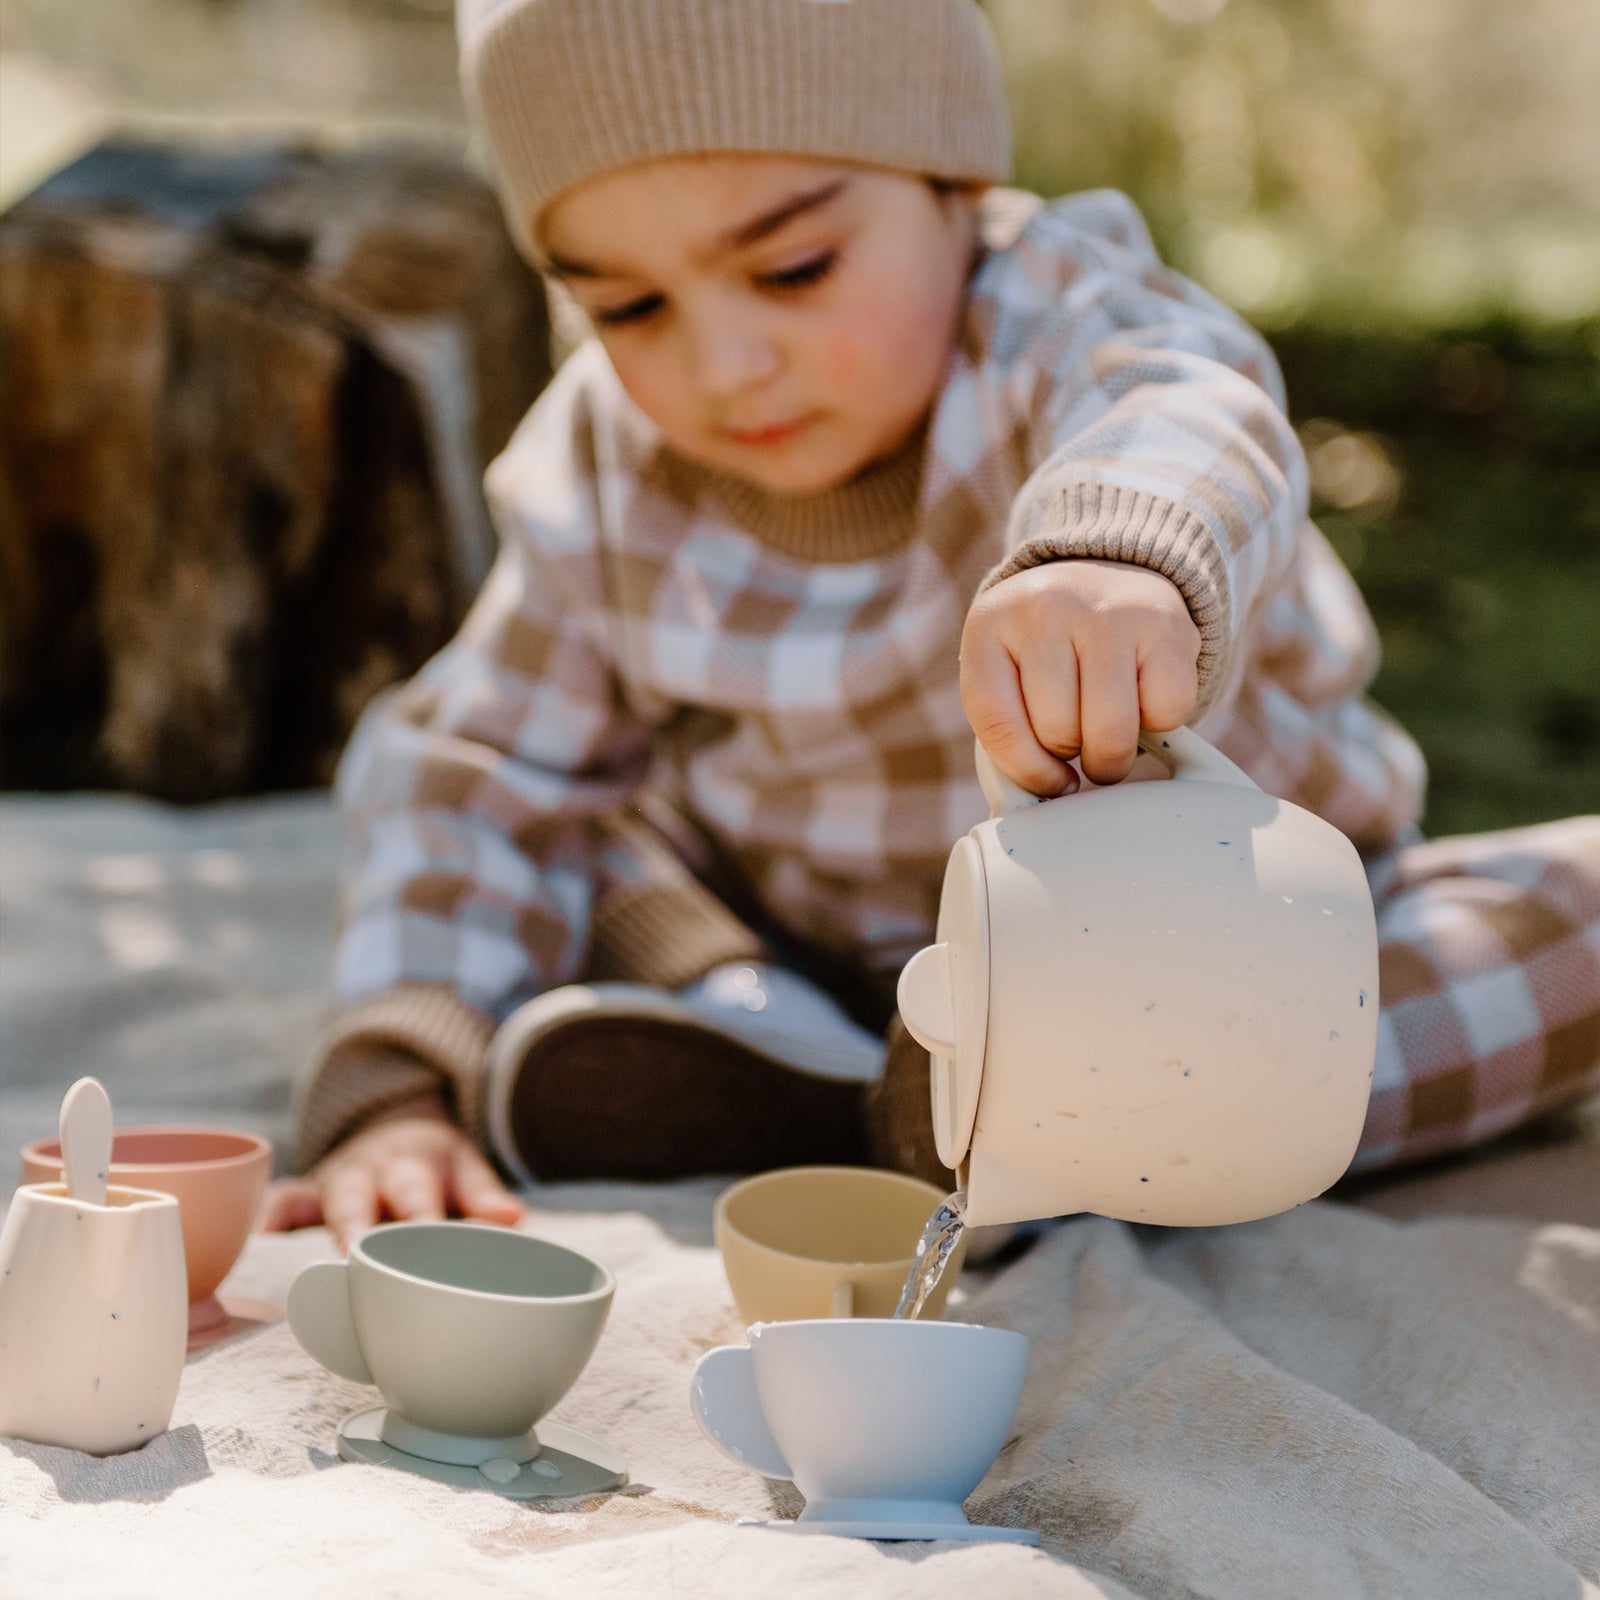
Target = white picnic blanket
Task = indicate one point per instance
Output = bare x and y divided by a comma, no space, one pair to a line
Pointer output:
1394,1398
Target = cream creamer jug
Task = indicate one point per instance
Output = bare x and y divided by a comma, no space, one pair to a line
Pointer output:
1156,1001
94,1317
94,1305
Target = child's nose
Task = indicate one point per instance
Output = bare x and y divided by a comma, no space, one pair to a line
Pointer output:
730,355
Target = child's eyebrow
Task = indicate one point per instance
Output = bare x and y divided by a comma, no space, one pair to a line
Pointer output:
785,211
739,238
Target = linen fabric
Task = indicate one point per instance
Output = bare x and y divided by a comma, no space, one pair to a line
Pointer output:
1326,1406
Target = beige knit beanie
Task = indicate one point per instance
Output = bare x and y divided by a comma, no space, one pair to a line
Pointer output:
565,89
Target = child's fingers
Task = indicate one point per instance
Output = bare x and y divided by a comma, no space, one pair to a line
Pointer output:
1109,707
991,696
478,1192
289,1203
412,1188
1168,682
1048,674
349,1202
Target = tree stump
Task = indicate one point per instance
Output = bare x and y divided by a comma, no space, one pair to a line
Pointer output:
245,404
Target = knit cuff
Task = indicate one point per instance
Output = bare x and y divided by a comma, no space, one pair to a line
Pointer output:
667,934
1103,522
383,1051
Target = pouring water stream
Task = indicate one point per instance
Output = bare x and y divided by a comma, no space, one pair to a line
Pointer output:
934,1249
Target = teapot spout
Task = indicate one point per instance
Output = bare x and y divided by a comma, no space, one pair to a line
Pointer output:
997,1193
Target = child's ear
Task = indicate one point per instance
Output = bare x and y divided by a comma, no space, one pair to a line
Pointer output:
963,196
961,202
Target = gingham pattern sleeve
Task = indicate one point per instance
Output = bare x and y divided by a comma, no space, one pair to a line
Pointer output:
1298,722
473,797
1157,422
471,791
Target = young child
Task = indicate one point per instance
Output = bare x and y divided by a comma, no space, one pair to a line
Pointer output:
865,455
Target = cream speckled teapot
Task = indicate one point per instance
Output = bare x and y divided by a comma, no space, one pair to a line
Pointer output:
1155,1001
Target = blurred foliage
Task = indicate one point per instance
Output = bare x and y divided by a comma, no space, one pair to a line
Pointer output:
1404,194
1421,161
1458,475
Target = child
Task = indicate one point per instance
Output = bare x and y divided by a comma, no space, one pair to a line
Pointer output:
865,455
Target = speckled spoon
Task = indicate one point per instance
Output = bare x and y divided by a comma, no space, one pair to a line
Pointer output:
86,1141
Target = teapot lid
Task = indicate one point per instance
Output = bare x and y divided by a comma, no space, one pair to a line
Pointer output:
944,1000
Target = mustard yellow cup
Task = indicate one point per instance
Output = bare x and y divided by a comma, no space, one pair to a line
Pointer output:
806,1242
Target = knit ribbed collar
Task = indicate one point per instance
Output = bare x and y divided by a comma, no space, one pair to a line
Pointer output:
872,515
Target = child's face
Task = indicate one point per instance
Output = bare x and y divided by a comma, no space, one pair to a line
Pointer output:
785,320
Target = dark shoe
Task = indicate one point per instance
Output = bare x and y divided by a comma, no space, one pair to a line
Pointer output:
615,1080
900,1113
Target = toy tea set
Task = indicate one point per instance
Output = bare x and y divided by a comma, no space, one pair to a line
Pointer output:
110,1258
1156,1002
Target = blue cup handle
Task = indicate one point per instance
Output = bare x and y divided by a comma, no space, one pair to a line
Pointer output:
723,1397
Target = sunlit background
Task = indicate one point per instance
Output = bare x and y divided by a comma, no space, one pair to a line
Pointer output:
1404,193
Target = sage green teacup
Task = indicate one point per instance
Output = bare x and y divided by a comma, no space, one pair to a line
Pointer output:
471,1334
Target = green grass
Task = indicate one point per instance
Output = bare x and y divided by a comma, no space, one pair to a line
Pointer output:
1475,535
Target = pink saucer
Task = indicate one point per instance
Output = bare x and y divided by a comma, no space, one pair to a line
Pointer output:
221,1316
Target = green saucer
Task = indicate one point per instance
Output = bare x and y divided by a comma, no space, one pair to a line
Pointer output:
570,1464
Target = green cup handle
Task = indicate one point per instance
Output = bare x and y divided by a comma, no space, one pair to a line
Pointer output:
319,1317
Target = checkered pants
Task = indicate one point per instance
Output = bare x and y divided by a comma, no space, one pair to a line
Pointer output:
1489,986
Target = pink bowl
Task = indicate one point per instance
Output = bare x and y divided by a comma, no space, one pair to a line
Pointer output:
218,1177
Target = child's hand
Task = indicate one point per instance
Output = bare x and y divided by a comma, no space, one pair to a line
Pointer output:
1073,658
412,1164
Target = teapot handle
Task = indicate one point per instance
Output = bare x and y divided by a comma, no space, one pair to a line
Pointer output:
1186,755
1181,751
1002,794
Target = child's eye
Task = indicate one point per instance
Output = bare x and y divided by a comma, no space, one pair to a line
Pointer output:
634,311
806,273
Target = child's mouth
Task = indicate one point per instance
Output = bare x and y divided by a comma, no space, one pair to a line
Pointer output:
765,438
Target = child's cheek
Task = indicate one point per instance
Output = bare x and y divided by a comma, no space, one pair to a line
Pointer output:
862,347
649,384
889,346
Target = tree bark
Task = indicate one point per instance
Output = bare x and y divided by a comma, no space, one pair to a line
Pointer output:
245,402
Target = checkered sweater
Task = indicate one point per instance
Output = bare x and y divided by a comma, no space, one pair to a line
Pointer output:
785,669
